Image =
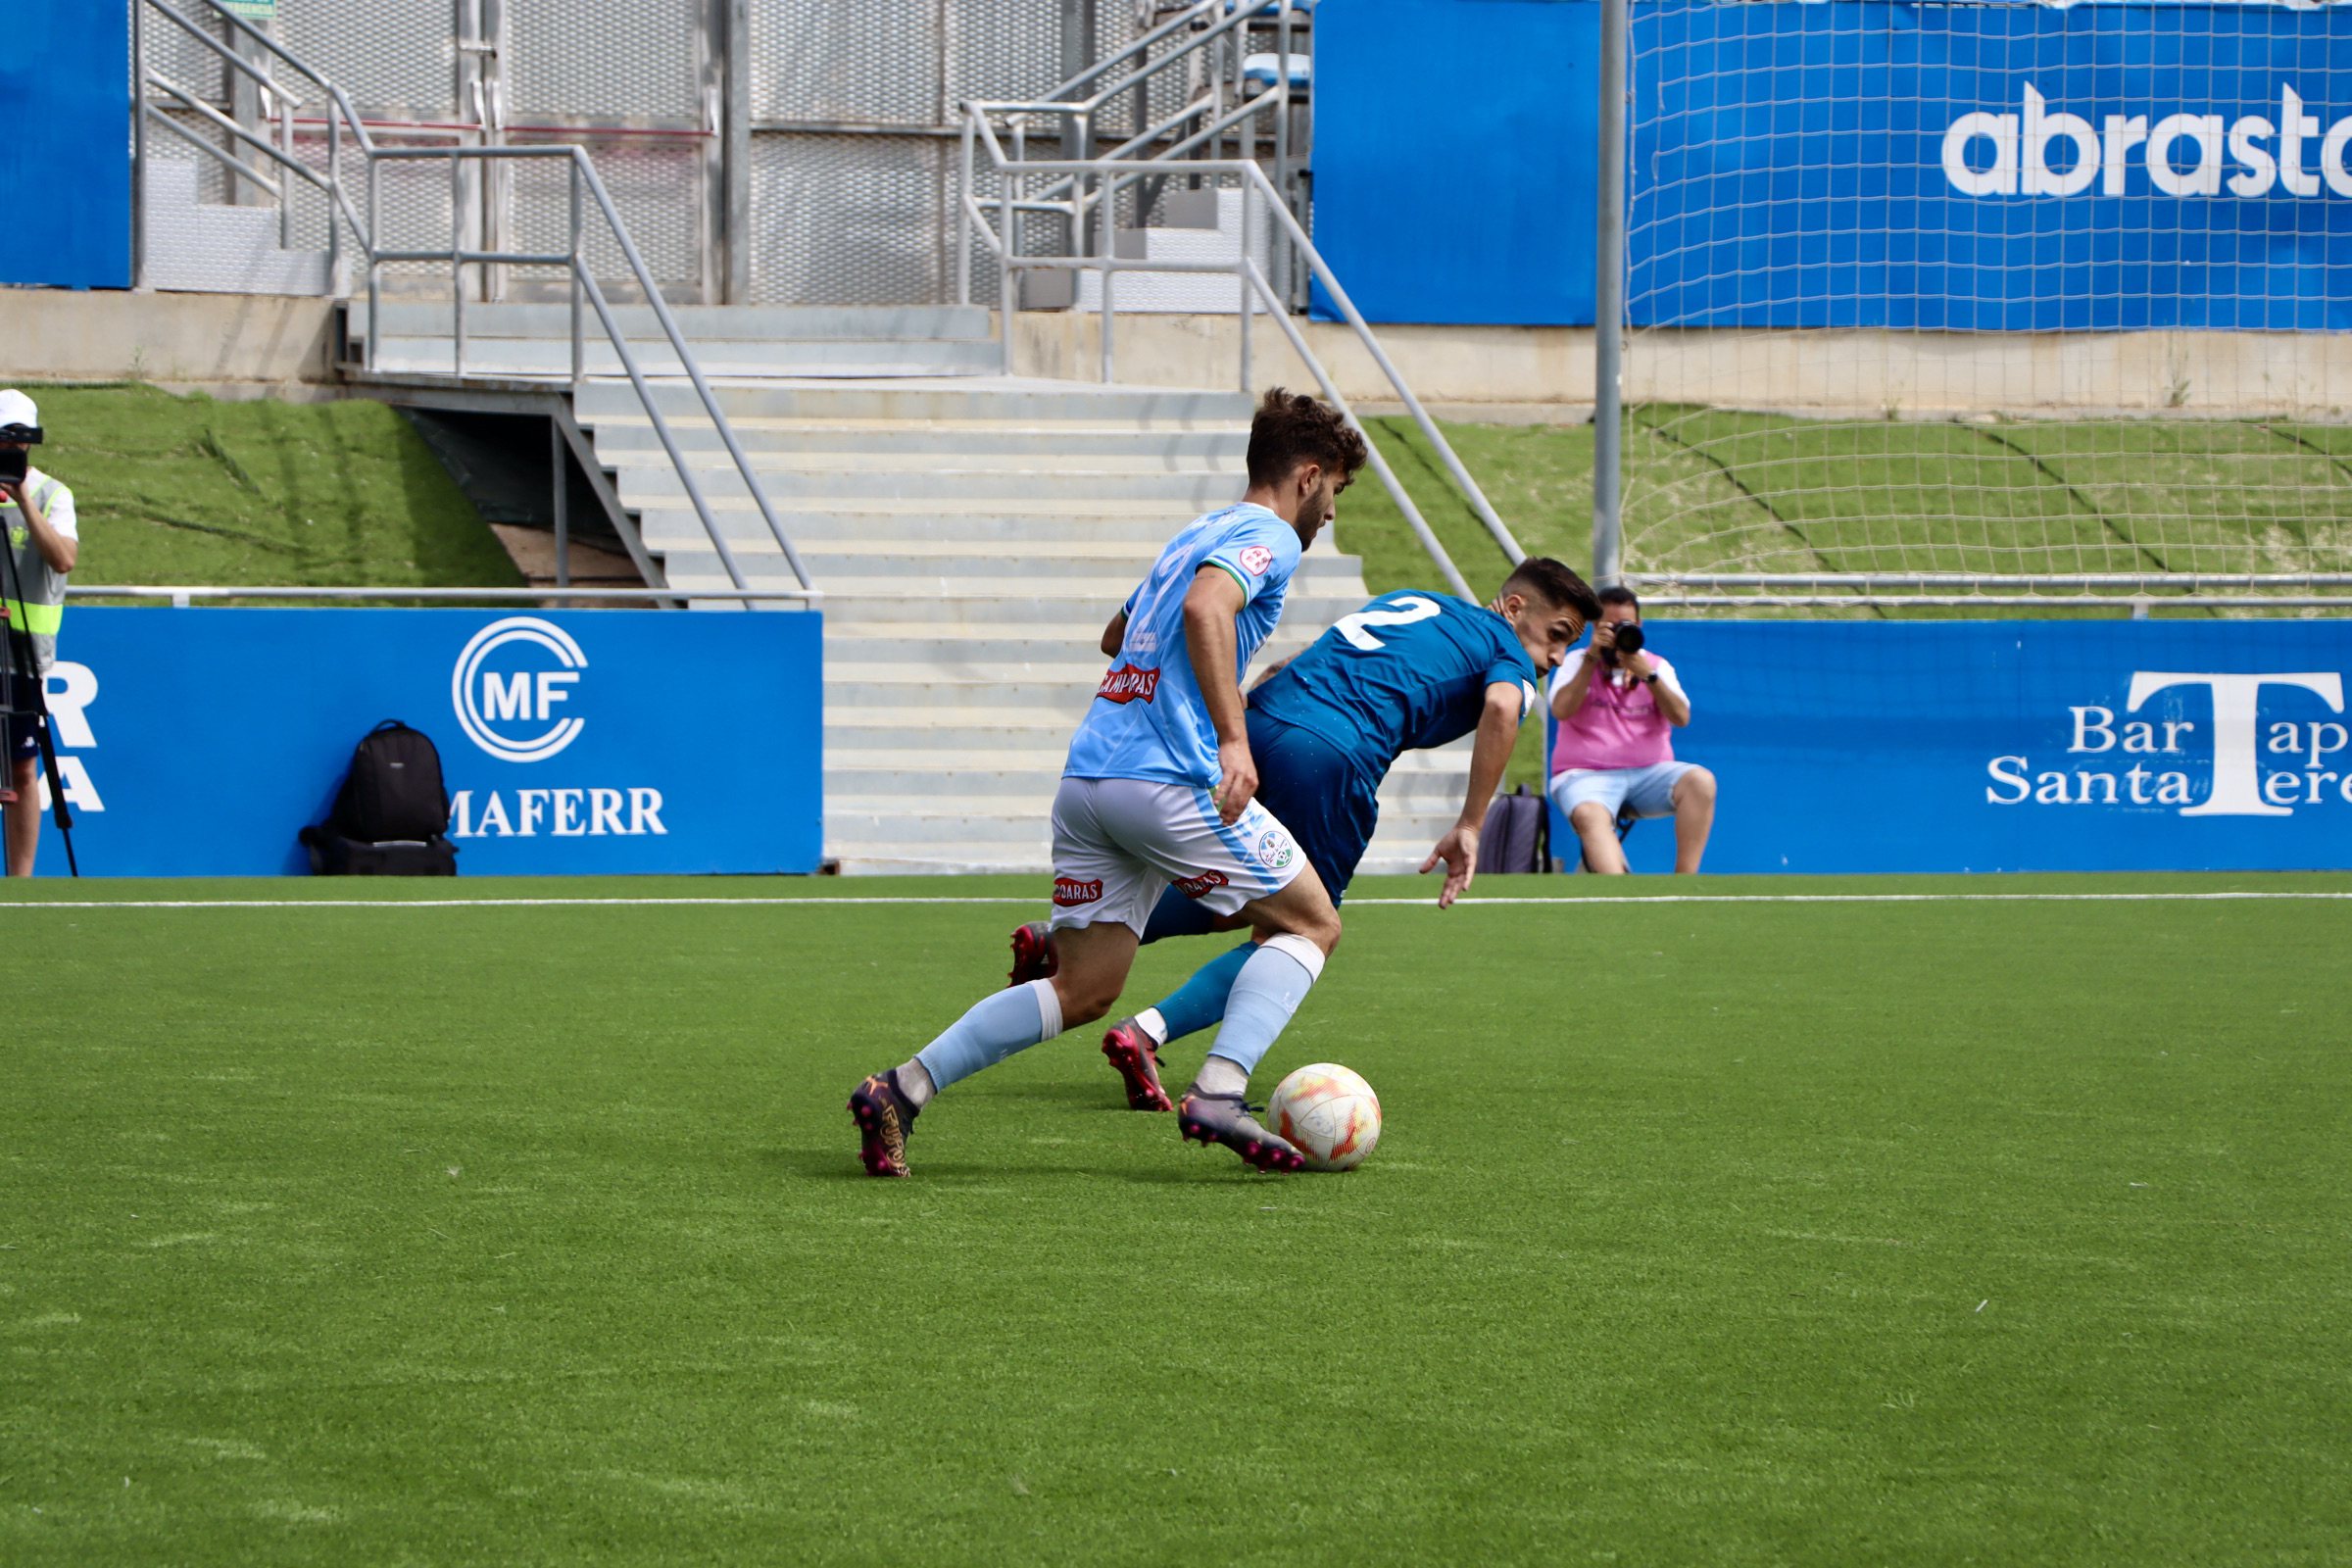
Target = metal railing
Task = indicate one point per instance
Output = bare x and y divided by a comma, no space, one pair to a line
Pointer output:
1251,286
341,118
1211,33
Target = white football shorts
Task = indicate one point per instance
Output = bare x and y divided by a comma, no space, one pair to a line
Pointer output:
1119,843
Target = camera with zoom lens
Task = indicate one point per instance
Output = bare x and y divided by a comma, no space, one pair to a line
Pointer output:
1628,635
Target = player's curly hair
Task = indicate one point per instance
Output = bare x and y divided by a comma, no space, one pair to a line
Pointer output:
1291,428
1557,586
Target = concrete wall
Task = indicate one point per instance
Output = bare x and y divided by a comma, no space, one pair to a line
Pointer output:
251,342
1514,373
263,344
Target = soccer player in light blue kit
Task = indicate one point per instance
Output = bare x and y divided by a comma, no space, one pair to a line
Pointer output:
1158,792
1411,670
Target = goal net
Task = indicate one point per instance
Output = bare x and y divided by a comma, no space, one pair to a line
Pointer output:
2030,299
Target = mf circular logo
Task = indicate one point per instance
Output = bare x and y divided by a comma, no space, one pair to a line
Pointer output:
509,684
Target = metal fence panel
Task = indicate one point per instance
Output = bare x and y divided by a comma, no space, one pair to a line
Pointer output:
843,220
654,185
610,58
394,57
875,60
1002,49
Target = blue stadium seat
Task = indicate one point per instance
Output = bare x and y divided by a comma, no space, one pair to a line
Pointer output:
1257,70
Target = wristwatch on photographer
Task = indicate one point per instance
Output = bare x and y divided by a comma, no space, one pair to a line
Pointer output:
1650,679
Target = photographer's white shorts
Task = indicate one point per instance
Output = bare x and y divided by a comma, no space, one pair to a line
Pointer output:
1119,843
1649,791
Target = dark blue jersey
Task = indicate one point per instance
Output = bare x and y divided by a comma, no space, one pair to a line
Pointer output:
1409,671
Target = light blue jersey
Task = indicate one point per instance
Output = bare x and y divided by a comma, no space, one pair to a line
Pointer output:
1148,720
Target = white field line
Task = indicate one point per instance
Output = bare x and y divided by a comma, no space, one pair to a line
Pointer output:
826,901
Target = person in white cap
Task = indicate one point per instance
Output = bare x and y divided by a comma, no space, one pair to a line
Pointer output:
37,513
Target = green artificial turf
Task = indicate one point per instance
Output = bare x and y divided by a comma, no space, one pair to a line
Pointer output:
1725,491
1929,1231
189,490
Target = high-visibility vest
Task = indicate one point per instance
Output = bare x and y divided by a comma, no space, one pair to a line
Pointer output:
35,595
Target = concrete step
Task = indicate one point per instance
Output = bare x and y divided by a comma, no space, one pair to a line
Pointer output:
1029,796
1078,614
1113,569
975,529
791,323
534,358
1195,490
909,443
1094,595
739,516
1011,399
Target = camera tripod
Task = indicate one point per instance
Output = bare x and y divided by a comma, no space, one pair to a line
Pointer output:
24,672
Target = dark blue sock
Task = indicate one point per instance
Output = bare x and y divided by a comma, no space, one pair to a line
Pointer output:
1200,1000
1176,916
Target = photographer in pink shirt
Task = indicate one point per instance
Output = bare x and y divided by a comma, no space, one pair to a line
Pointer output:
1618,707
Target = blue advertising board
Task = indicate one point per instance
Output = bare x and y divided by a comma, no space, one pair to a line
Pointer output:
2013,745
199,742
1478,212
1861,162
65,145
1992,167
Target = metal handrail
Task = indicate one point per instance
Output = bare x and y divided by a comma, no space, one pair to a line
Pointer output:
1001,244
584,287
1208,22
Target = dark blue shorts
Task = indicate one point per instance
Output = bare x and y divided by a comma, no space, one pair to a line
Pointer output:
23,731
1316,791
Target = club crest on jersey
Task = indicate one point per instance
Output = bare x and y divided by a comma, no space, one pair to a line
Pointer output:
1256,560
1069,892
1274,850
1195,887
1127,683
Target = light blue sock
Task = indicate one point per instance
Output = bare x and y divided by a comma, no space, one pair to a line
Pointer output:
1264,995
996,1027
1200,1000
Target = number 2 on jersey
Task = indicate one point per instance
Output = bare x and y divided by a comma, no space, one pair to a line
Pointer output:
1410,608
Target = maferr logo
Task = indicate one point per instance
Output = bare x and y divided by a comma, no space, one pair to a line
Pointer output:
503,679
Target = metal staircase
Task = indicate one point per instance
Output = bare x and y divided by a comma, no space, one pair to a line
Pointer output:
973,537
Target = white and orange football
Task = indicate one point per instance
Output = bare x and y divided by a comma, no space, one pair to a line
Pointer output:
1329,1112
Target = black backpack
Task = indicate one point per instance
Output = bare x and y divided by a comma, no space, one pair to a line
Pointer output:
1517,833
390,814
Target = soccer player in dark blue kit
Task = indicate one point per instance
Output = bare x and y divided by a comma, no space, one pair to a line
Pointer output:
1409,670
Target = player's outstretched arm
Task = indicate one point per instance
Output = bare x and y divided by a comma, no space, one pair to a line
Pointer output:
1209,608
1490,754
1114,635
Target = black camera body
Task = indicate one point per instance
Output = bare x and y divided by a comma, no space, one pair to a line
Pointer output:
13,458
1628,637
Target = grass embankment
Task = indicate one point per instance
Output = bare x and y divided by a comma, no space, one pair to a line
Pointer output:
1933,1232
1715,490
190,490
